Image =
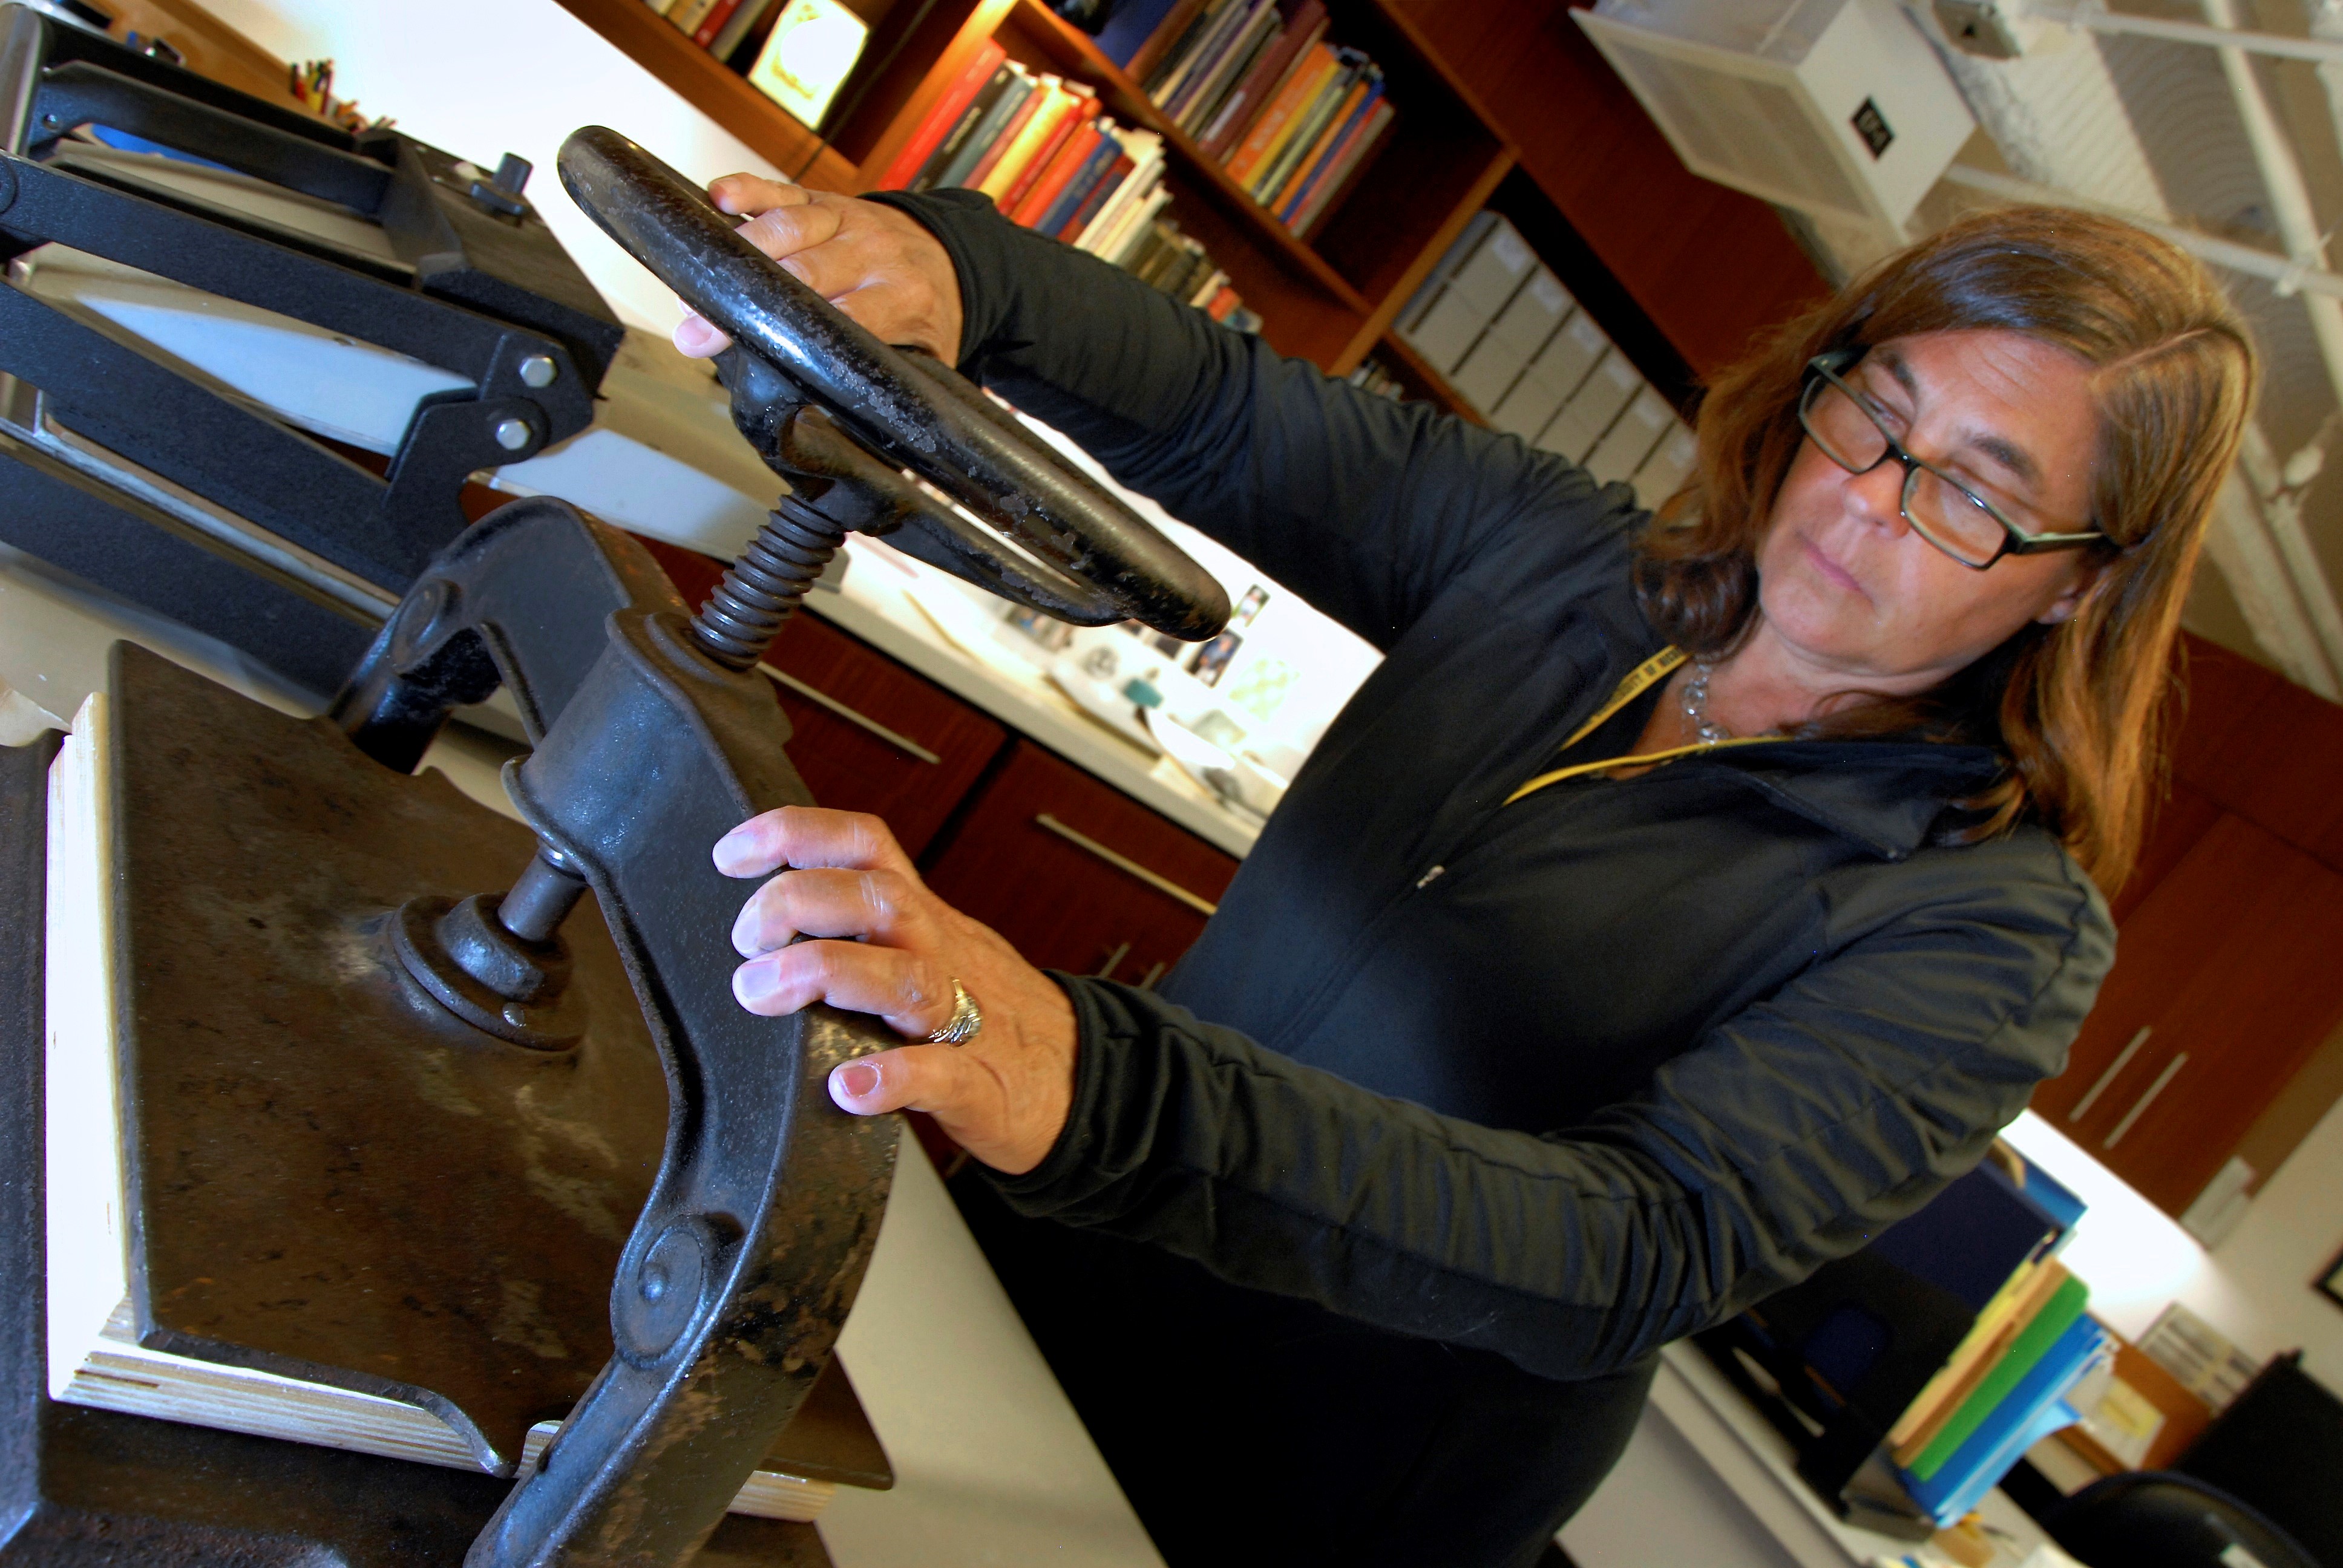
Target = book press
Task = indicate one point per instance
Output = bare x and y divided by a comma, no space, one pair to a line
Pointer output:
400,1129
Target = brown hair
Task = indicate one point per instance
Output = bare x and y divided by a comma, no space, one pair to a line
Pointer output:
2074,706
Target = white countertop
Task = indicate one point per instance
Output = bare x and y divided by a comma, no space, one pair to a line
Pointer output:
957,637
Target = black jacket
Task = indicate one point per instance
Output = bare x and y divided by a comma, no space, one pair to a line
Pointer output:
1492,1099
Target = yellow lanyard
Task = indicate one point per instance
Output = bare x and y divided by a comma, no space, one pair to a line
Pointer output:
1639,680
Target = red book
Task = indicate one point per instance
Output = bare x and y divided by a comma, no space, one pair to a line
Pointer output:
1104,186
1073,153
941,118
1007,133
1013,201
1261,83
718,15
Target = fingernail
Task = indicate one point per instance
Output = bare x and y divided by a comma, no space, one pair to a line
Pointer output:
744,936
754,982
731,851
854,1081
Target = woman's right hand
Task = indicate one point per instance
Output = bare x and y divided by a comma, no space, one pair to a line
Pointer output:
880,267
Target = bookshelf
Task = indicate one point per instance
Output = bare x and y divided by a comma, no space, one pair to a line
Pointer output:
1330,298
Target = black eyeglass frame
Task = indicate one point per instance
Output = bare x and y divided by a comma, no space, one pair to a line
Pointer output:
1826,369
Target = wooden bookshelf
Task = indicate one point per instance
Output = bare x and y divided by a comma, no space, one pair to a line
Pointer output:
1424,384
717,91
1330,298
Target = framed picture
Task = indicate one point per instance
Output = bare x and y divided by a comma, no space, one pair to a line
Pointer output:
2330,1283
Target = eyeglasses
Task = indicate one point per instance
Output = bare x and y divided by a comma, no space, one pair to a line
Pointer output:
1845,425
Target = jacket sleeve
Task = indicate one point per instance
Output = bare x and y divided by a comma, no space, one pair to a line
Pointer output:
1362,506
1787,1136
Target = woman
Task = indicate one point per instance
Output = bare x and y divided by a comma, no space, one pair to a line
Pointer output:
1581,992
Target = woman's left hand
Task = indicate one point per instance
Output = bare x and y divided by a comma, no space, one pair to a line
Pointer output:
875,941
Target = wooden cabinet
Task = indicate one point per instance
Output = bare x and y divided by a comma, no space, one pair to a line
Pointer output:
868,735
1076,875
2226,989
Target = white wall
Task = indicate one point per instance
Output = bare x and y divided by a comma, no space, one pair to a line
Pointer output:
2256,1287
481,78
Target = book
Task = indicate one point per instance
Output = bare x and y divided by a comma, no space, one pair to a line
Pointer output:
1261,82
713,22
1016,88
2029,1411
1093,189
1220,19
1044,133
2056,1316
1277,116
745,17
1350,161
942,114
2027,1291
1205,110
1145,150
94,1355
1039,91
1166,35
686,15
1213,76
1305,127
1113,228
1351,104
1048,186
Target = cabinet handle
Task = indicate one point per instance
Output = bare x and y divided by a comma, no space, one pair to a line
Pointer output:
2115,1069
2171,1070
1153,975
902,743
1162,884
1106,969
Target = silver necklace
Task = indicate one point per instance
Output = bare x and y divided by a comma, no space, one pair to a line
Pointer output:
1695,704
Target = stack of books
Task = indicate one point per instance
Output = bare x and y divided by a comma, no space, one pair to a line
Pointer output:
1912,1374
1292,116
718,27
1041,148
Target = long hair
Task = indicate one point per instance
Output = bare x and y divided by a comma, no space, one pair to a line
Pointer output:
2074,707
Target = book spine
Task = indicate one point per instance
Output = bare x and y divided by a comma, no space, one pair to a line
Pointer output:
1213,27
2048,1324
1351,104
1070,113
736,31
1101,188
1149,58
712,25
1345,177
1303,130
963,126
1312,72
1340,143
1050,180
1128,30
1260,83
1115,218
1204,83
1014,92
688,15
1037,93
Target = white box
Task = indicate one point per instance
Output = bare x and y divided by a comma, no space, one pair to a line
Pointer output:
1572,352
1488,373
1475,230
1537,308
1530,407
1448,330
1495,268
1631,438
1837,107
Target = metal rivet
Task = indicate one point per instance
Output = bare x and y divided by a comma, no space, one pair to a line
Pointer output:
537,370
512,435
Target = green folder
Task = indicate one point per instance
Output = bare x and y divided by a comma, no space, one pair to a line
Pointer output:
2056,1316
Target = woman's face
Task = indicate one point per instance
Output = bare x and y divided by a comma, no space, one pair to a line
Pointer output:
1843,581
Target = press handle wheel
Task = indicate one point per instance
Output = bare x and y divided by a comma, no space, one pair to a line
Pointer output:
925,416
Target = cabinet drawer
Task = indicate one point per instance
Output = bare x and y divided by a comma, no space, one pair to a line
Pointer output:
1076,876
866,734
2225,983
869,735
